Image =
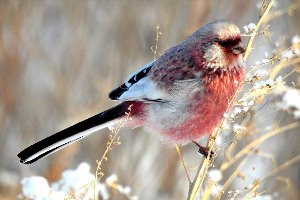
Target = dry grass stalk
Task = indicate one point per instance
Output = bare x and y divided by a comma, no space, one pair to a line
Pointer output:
113,141
183,163
206,163
230,179
154,49
283,166
256,142
258,24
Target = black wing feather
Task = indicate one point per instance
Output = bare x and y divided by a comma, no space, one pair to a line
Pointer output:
116,93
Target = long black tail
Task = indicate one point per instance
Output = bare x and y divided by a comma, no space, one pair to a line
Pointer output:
69,135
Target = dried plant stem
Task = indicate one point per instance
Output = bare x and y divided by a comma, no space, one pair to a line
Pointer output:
285,180
230,179
198,181
71,195
114,140
155,49
202,170
183,163
282,65
283,166
266,155
99,173
258,24
277,57
206,162
256,142
207,192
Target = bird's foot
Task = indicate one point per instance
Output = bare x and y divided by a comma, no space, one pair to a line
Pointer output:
204,150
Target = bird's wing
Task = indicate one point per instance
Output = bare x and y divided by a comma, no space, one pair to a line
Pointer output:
139,87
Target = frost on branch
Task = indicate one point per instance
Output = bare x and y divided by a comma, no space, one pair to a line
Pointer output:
249,28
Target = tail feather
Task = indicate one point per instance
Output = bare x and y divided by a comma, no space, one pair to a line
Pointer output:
74,133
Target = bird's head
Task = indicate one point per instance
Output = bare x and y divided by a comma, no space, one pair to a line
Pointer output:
220,45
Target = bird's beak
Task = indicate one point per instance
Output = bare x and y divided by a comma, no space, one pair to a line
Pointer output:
238,49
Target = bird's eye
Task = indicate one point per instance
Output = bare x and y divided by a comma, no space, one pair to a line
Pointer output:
225,43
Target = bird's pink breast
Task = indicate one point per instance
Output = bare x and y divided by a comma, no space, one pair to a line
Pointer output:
207,109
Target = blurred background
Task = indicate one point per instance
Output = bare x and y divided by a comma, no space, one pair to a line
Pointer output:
60,59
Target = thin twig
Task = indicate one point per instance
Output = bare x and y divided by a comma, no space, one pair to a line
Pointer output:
258,24
281,65
282,167
230,179
199,179
114,139
206,162
71,195
155,49
183,163
256,142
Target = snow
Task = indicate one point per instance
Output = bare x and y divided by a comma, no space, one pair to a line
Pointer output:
111,179
295,39
238,128
261,72
72,180
246,105
35,187
237,110
215,175
249,28
263,197
263,84
287,54
291,100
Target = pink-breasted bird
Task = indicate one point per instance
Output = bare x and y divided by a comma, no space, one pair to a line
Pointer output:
180,96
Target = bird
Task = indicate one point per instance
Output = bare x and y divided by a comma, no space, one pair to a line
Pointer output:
181,96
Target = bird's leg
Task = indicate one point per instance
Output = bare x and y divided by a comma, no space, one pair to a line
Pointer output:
203,150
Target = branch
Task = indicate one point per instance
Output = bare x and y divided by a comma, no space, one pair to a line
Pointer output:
206,162
258,24
256,142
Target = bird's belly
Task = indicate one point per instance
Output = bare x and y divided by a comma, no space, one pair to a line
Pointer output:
206,116
188,123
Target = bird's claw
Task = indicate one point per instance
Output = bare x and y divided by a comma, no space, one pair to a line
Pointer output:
204,150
